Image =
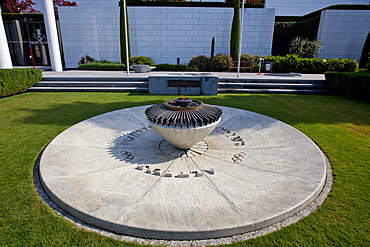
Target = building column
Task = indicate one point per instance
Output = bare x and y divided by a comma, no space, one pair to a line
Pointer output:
52,34
5,59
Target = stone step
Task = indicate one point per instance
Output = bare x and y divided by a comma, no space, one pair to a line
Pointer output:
88,89
273,80
272,91
143,84
93,79
269,85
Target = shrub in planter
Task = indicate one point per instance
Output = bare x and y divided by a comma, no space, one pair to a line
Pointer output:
13,81
201,62
220,62
141,60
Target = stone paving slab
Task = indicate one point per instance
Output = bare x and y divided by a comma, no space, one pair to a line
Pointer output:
255,171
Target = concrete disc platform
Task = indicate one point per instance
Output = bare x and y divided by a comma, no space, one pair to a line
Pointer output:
114,172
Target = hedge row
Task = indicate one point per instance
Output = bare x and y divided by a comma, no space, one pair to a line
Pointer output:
292,63
352,85
192,4
171,67
102,66
13,81
118,66
218,63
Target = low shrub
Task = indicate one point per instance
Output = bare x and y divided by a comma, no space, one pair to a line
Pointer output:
13,81
201,62
141,60
352,85
227,4
304,47
102,66
171,67
293,63
341,65
253,58
220,62
86,59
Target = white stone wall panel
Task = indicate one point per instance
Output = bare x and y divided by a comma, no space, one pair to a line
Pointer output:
162,33
340,36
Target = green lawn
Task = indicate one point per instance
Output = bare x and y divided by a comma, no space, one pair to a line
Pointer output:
341,127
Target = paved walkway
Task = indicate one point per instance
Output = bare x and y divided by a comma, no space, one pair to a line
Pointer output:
221,75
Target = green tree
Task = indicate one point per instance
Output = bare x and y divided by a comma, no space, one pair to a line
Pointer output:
304,48
235,32
213,47
15,6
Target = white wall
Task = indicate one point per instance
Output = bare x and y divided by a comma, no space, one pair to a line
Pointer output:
162,33
90,31
38,3
282,7
343,33
303,7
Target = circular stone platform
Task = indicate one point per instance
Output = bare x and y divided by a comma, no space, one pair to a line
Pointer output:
114,172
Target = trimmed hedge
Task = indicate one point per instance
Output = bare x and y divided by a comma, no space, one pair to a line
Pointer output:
102,66
218,63
171,67
293,63
141,60
352,85
13,81
192,4
201,63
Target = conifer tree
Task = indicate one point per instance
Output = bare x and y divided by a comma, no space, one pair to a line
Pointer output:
235,31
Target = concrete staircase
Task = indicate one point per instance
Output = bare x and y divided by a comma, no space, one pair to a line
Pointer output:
273,86
140,84
88,84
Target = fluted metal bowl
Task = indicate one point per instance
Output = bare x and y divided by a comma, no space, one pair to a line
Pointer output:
183,122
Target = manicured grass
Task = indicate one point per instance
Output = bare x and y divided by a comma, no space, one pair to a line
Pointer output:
341,128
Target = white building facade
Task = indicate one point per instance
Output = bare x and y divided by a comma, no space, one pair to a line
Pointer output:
168,33
343,33
162,33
